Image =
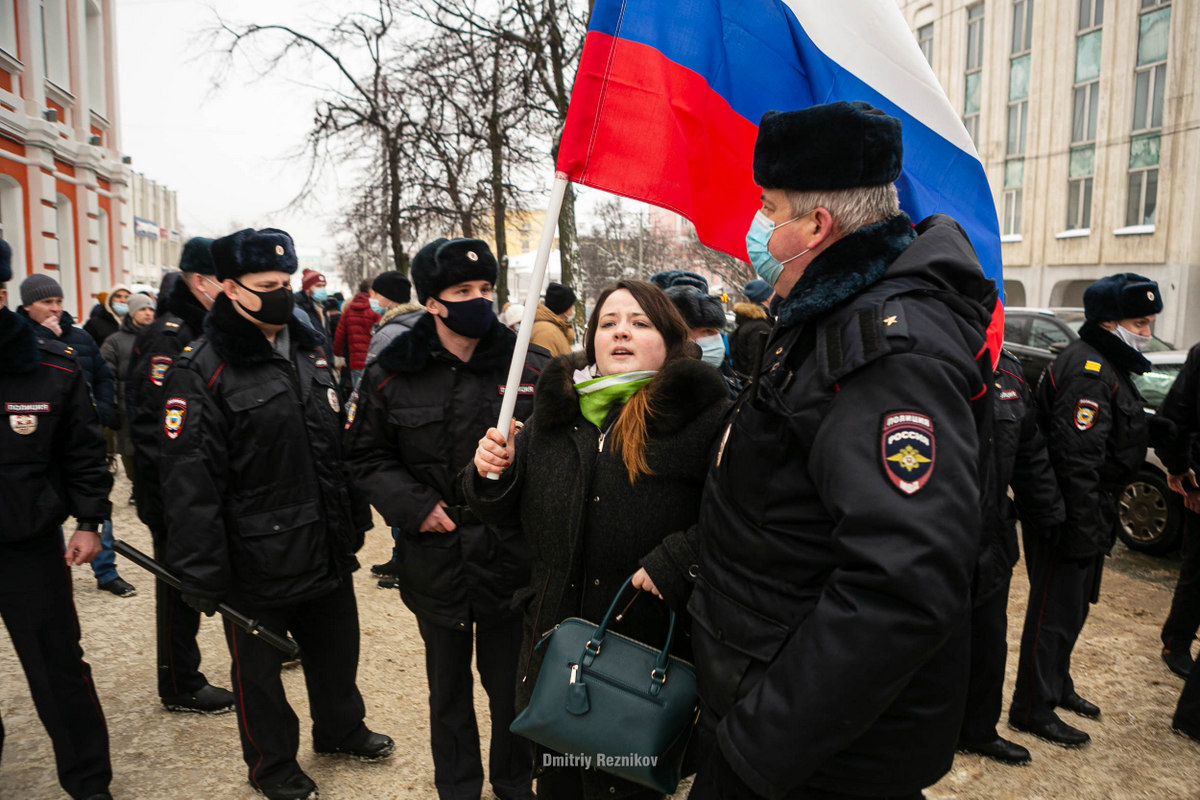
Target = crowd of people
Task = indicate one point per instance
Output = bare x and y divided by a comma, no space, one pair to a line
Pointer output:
822,493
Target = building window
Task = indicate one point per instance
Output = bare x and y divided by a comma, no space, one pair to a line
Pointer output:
1081,165
1014,180
925,40
97,94
1018,116
8,27
1091,14
54,42
1149,82
973,100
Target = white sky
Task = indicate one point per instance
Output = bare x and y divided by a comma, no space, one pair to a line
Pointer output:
229,153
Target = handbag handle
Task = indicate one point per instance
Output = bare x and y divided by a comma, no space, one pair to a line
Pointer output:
658,675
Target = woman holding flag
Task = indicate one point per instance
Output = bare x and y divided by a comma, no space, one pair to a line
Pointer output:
605,480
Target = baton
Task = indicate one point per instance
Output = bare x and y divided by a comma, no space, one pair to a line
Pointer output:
283,643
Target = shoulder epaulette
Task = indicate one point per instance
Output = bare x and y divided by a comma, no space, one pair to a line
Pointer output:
1093,366
58,354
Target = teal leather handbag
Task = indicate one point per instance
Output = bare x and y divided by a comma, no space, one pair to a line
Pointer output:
610,702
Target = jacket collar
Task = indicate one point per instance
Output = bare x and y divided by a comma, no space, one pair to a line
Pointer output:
680,391
18,343
397,310
1111,347
412,350
850,265
238,341
183,304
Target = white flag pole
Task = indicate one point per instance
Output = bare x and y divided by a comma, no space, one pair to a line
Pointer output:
512,389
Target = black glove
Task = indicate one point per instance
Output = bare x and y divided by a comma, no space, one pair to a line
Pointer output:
204,605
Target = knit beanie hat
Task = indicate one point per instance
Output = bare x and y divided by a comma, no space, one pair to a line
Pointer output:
39,287
393,285
559,298
137,302
679,277
699,310
310,277
757,290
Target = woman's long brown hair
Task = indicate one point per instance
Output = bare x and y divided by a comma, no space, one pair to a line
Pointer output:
629,433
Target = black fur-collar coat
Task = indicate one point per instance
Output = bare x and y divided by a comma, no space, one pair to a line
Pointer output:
588,526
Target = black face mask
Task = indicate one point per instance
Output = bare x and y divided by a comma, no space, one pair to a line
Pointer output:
469,318
276,306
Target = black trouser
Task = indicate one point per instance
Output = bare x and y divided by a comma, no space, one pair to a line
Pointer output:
177,625
454,732
1059,593
1184,619
39,612
326,628
1187,712
989,652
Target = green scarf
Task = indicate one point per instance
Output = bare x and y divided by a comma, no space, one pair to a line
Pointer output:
596,396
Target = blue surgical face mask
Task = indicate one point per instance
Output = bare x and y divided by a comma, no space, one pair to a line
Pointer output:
121,308
712,349
320,295
766,265
376,307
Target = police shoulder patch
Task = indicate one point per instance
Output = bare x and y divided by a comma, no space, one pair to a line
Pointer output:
175,412
332,397
1086,412
908,449
158,368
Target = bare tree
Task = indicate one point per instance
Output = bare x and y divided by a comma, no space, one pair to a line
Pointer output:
547,36
360,113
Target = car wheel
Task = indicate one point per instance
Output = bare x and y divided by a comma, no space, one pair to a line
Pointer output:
1150,514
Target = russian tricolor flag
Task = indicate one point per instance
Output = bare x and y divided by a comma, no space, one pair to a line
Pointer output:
669,93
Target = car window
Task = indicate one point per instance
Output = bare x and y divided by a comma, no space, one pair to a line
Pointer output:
1044,332
1016,329
1155,384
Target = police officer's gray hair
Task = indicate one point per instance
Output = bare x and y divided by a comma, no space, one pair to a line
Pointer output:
851,209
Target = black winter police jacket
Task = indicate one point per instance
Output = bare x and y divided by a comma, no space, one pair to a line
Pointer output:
1096,432
1021,461
156,348
841,522
51,444
1181,408
259,507
416,422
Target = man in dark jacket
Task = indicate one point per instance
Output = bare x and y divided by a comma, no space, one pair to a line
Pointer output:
753,320
1096,433
1020,459
181,685
42,304
353,333
422,407
1180,454
53,462
260,511
840,524
310,300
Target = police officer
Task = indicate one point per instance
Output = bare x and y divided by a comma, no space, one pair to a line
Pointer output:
1180,454
1096,433
840,523
181,684
1020,459
52,457
423,405
260,512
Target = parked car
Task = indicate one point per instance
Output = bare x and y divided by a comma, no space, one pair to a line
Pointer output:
1036,335
1151,514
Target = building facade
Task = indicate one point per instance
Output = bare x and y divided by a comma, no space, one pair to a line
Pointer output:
157,240
62,181
1086,115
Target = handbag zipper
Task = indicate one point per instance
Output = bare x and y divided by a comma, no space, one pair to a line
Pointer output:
585,675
